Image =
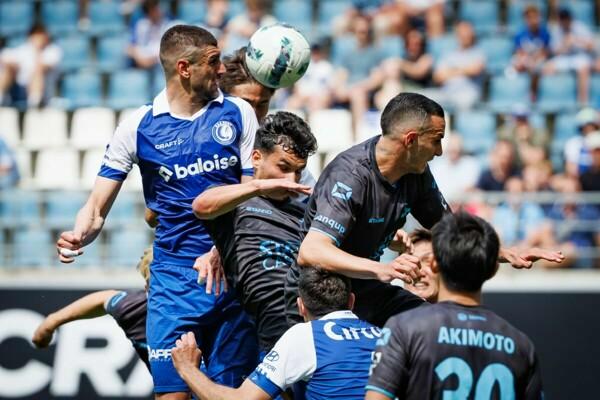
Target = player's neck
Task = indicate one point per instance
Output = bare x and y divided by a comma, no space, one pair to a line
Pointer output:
462,298
183,103
389,164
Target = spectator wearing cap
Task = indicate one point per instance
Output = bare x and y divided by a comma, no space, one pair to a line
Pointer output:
530,142
572,44
590,180
577,157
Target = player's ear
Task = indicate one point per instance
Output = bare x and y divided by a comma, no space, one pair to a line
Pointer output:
183,68
435,268
351,300
257,158
302,308
409,138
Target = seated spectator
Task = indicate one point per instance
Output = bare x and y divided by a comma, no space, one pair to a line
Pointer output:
383,13
577,157
502,167
358,75
412,73
572,45
9,172
314,90
242,26
455,172
528,140
427,287
216,18
27,72
537,177
590,180
460,72
146,34
415,13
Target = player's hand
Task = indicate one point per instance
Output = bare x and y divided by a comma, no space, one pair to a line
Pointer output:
68,246
43,334
186,354
405,267
280,187
525,258
210,269
402,242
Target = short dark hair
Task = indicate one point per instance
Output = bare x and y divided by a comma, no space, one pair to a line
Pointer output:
408,107
236,72
37,27
323,292
288,130
148,5
466,249
183,41
420,235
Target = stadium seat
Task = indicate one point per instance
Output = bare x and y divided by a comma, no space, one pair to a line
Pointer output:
2,248
44,128
82,89
557,93
60,16
105,17
565,127
23,158
33,248
125,210
76,52
368,126
128,88
441,45
236,7
133,183
158,82
62,208
16,17
9,126
92,160
92,128
482,14
340,47
505,92
314,165
582,10
297,13
191,11
20,208
478,130
327,11
112,54
515,13
498,52
332,128
57,169
126,247
594,91
125,113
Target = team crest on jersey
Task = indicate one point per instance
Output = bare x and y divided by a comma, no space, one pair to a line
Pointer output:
224,132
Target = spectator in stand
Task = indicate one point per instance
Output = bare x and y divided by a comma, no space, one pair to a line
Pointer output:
577,156
358,73
572,45
9,172
415,13
532,46
455,172
217,16
314,90
460,72
146,34
413,73
244,25
27,72
502,167
383,13
529,141
590,180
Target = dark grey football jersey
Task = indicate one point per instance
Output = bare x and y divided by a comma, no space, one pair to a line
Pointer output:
259,242
452,351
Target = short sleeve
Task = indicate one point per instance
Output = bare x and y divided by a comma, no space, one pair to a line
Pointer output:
121,152
388,374
249,128
430,205
336,201
112,305
292,359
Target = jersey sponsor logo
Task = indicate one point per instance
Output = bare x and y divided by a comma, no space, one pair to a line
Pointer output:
341,191
159,354
272,356
470,317
201,166
476,338
333,224
375,220
259,210
335,332
166,145
223,132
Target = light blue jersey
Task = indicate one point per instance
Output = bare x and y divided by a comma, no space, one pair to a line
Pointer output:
179,157
332,354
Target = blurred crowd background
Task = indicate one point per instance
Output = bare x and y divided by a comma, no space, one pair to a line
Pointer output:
520,81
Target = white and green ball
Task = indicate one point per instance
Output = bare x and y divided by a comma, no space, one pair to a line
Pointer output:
277,55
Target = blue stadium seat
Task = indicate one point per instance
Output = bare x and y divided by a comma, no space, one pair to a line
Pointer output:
498,52
125,211
2,248
582,10
126,247
19,208
128,88
482,14
16,17
236,7
393,46
158,82
515,13
565,127
297,13
60,16
557,92
340,47
76,52
327,11
105,17
595,91
33,248
441,45
192,11
82,89
111,53
505,92
478,129
62,208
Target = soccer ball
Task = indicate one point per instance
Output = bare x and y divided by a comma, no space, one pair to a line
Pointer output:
277,56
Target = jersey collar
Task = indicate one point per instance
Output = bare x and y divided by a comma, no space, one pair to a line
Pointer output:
160,105
343,314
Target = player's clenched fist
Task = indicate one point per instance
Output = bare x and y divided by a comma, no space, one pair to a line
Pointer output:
68,246
405,267
186,355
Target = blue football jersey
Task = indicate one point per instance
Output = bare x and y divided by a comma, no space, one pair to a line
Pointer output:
180,157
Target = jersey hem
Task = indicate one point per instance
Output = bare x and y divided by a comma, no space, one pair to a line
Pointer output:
265,384
380,390
337,242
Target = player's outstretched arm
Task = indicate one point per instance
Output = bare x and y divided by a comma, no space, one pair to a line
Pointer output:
90,306
222,199
90,219
186,358
524,258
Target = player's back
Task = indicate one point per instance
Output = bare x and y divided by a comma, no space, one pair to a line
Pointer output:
452,351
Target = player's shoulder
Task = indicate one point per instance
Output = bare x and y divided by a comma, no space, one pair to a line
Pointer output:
509,329
298,336
125,298
352,164
244,107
